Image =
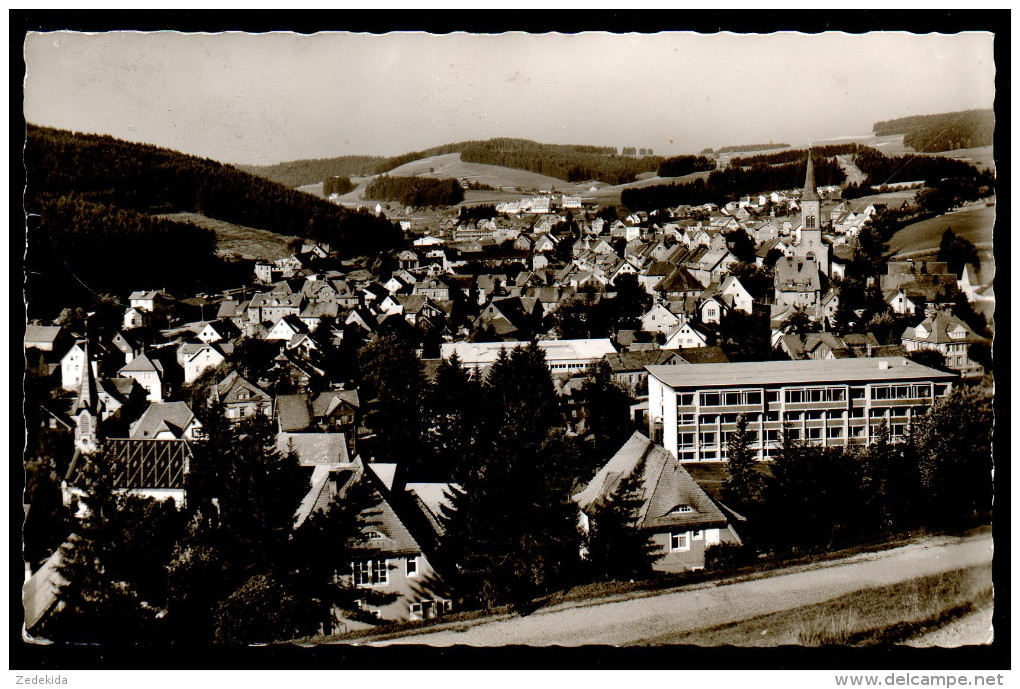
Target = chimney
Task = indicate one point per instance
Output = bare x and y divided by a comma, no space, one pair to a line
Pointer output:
883,364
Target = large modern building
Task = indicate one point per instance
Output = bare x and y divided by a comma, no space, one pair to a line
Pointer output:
693,409
562,356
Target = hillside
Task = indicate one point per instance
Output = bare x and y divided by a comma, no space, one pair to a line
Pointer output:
93,228
565,162
942,132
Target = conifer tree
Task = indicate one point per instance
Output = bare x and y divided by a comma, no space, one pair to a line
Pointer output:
616,547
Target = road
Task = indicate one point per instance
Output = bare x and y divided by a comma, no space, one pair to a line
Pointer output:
637,620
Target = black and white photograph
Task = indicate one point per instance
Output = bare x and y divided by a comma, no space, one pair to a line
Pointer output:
454,340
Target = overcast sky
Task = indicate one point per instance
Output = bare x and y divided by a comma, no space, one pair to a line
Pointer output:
269,98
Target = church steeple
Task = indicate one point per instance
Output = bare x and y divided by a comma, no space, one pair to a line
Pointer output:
810,192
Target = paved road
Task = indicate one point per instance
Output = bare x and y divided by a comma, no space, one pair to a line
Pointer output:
636,620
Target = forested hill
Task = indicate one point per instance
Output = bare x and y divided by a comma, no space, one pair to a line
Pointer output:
298,173
944,132
569,162
91,199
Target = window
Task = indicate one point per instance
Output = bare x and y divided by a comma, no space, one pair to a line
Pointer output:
697,535
685,419
682,509
772,396
685,440
373,535
363,573
415,611
412,566
707,438
447,605
678,541
686,399
710,399
371,572
814,433
809,222
835,432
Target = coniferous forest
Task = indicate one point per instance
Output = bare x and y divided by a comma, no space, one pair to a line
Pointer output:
90,202
943,132
415,191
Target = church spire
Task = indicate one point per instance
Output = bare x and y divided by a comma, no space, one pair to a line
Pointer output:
810,193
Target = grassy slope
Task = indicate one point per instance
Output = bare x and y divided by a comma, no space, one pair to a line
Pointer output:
887,614
246,242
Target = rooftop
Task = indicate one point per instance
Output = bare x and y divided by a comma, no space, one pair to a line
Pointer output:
794,372
471,353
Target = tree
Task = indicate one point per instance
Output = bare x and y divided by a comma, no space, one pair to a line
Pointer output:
616,547
511,533
954,445
455,417
393,382
608,407
101,601
740,245
956,252
799,323
744,488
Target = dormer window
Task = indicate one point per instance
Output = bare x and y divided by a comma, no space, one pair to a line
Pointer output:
682,509
374,536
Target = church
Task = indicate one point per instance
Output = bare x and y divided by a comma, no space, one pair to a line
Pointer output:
802,278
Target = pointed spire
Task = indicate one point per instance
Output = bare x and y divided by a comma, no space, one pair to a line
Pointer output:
87,393
810,193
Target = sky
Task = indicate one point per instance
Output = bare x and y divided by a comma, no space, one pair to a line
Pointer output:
269,98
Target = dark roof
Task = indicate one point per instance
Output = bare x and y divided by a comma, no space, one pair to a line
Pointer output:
665,487
680,280
622,362
163,416
315,449
293,412
702,355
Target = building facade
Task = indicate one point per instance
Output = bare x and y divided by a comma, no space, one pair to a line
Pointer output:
692,410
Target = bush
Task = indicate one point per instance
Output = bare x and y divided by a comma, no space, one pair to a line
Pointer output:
728,556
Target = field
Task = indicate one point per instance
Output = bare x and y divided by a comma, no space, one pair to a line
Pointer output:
880,615
974,223
246,242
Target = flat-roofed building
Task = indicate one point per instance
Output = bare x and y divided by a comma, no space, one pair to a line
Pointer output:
562,356
692,410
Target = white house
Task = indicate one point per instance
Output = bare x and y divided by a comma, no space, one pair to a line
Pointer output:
197,358
686,336
72,366
740,298
659,319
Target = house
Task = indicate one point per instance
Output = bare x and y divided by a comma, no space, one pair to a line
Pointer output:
947,334
196,358
293,413
678,516
968,282
241,398
826,402
147,467
286,328
798,282
629,367
337,411
828,345
737,295
148,371
147,301
408,260
219,330
134,318
45,338
166,421
433,288
313,314
72,366
272,306
688,334
712,309
316,449
659,319
394,556
679,284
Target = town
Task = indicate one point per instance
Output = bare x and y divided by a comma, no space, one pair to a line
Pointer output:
658,367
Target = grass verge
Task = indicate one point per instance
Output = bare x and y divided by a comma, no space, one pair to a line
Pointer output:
876,616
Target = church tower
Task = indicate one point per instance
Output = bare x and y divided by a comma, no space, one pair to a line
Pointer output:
811,244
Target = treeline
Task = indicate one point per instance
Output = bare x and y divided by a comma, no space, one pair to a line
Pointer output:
416,191
942,132
746,148
78,248
570,163
678,166
796,155
337,184
148,179
630,151
298,173
820,498
882,169
730,184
